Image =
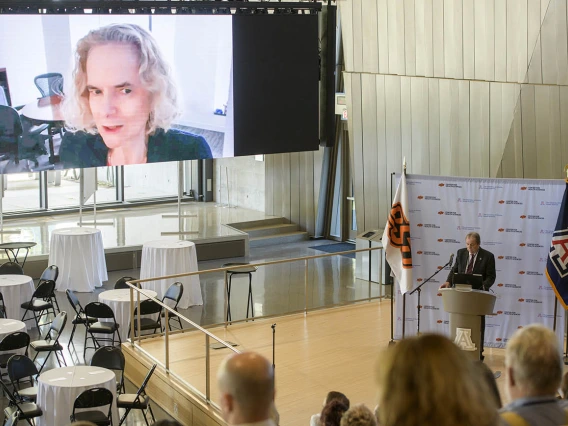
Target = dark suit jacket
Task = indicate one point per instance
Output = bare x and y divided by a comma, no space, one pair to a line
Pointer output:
484,265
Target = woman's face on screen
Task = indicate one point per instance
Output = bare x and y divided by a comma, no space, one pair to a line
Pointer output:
119,102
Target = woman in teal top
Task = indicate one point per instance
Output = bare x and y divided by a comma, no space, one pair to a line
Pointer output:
122,104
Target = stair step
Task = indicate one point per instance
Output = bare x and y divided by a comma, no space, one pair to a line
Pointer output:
269,240
267,230
263,222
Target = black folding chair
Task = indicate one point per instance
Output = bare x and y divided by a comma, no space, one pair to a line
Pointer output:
11,268
101,311
51,273
147,307
93,398
25,411
121,282
40,302
3,307
21,368
10,418
11,343
112,358
50,342
80,317
137,401
173,293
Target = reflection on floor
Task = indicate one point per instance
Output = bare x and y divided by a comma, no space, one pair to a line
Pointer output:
131,227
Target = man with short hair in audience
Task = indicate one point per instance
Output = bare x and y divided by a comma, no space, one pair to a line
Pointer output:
534,370
246,384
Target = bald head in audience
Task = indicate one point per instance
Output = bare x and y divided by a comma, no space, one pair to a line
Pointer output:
246,385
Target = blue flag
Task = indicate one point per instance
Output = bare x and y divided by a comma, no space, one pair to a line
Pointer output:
557,262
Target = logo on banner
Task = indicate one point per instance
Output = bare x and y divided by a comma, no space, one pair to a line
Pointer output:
463,339
490,215
550,203
428,198
514,230
509,258
559,252
449,185
531,245
428,225
490,187
547,231
449,240
468,200
509,202
532,216
532,188
468,228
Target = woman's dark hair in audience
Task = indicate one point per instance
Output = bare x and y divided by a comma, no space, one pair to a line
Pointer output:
428,381
489,378
336,395
167,423
332,412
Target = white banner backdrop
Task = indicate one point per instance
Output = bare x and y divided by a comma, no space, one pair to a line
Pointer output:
515,219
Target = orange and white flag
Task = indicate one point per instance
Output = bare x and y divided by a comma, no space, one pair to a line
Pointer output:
396,238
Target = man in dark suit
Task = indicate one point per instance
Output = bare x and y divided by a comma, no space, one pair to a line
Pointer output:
474,260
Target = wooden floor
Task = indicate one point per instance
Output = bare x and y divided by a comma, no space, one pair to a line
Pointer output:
332,349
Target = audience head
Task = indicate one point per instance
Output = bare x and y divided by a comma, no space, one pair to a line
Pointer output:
564,386
486,374
246,384
336,395
332,412
429,381
83,423
533,362
358,416
167,423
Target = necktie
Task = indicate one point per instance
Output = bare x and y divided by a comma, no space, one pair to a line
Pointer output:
469,269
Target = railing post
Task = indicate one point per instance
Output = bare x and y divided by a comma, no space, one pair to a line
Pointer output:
138,319
207,371
132,316
305,286
226,298
167,336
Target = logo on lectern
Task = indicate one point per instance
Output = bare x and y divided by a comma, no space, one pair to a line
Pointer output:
463,339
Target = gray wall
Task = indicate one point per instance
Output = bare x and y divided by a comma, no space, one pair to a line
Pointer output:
292,185
458,87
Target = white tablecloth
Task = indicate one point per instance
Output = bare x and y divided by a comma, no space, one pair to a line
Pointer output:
119,301
163,257
80,256
9,326
16,290
58,388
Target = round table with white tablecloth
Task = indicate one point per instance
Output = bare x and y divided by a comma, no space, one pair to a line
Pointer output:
9,326
16,289
167,257
80,256
119,301
58,388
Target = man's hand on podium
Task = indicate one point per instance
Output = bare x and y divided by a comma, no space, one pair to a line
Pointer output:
445,285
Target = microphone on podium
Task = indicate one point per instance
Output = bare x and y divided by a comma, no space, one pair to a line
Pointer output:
451,260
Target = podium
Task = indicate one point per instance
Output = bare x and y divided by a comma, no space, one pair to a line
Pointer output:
465,307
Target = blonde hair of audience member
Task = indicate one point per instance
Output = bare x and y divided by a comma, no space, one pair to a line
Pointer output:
83,423
564,387
429,381
246,384
533,363
359,415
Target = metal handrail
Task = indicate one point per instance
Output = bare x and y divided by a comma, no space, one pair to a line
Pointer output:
135,340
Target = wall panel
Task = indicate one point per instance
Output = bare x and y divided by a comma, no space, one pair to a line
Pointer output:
468,15
396,37
357,28
420,134
382,148
410,37
479,129
453,38
369,33
369,149
438,38
383,35
434,126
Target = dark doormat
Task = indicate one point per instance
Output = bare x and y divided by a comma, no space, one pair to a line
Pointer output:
337,247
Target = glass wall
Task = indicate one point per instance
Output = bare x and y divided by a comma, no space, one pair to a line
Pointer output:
21,192
150,181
